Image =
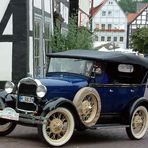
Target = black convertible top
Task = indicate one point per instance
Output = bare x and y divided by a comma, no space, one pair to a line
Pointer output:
104,56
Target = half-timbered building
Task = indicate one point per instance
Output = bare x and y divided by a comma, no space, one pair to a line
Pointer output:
137,20
25,30
109,23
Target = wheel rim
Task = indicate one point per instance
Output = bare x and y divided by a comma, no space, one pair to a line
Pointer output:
5,127
59,128
88,108
139,122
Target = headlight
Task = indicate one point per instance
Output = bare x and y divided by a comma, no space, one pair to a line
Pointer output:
41,91
9,87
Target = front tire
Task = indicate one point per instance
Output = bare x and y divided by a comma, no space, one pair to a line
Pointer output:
58,127
6,128
138,123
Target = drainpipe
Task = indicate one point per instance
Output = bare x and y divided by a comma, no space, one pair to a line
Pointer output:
92,4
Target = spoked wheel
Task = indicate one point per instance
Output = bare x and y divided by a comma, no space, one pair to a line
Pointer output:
88,104
5,126
139,123
58,128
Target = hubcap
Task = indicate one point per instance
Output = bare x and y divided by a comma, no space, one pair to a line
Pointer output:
57,126
88,108
138,122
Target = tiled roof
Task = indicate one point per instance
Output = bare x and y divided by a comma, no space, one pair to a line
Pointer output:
96,9
133,16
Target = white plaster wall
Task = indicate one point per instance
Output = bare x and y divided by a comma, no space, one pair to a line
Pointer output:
3,7
38,3
96,2
47,5
9,27
6,61
30,15
31,55
84,5
64,12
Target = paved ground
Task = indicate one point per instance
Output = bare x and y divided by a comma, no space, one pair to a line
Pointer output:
27,137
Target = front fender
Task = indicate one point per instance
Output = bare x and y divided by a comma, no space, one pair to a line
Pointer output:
129,109
8,99
62,102
5,96
53,104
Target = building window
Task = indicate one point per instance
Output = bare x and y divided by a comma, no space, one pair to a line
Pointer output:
115,39
57,6
47,37
121,39
109,26
97,26
102,38
110,2
96,38
103,26
109,13
108,38
103,13
36,64
146,16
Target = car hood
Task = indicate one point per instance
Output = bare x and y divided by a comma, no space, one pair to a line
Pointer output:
64,81
63,85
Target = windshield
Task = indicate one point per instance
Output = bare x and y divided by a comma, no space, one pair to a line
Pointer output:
77,66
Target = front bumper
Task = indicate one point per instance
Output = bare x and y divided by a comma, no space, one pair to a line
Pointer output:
11,115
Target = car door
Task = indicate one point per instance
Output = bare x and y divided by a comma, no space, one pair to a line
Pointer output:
107,94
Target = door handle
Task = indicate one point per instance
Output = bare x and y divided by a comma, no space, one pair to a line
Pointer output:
132,90
110,90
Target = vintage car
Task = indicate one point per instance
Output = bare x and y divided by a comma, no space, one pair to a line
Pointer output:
83,89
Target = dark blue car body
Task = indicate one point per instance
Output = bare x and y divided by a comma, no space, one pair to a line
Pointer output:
82,89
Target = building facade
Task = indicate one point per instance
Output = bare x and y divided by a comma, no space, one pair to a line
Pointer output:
109,23
25,30
137,20
81,9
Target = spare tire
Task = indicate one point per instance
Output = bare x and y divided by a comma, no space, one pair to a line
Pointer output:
88,105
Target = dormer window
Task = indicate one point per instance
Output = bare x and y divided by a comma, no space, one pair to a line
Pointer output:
110,2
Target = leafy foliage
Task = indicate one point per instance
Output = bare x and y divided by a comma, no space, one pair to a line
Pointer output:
76,37
127,5
139,40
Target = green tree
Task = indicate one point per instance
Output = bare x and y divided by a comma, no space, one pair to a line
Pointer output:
76,38
139,40
127,5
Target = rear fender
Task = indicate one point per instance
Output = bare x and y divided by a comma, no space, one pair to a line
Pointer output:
62,102
129,109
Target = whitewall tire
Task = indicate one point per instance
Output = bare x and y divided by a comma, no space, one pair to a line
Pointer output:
58,127
88,104
138,124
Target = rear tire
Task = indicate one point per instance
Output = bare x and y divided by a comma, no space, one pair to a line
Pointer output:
138,123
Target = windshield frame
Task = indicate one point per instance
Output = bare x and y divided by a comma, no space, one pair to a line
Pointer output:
89,73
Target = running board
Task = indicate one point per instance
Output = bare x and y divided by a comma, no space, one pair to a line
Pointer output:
98,126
